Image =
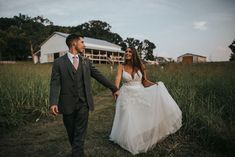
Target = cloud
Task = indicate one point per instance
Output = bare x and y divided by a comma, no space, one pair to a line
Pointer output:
200,25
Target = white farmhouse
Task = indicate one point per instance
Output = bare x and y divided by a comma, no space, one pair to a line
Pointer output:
98,51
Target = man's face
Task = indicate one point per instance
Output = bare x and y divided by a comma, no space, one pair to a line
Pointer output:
80,46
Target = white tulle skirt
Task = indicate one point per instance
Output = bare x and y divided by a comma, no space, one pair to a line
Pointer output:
144,116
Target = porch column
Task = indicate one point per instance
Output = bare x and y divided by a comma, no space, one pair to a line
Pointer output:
92,56
99,57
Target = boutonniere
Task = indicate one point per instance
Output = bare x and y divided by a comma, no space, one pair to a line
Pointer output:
83,61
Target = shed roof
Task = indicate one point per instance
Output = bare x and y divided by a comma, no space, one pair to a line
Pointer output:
191,54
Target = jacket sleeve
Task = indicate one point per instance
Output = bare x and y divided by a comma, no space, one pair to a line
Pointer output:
55,84
96,74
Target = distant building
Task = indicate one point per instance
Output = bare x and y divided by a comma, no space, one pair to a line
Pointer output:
190,58
149,62
98,51
162,60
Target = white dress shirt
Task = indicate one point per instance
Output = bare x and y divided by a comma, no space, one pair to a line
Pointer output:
70,55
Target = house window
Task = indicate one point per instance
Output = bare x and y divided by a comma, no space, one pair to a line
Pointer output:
50,57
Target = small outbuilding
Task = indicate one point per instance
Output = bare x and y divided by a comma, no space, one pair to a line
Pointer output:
190,58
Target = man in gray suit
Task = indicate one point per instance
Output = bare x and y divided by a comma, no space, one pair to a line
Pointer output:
71,93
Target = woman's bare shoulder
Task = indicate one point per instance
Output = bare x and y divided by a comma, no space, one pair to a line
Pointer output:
143,66
120,66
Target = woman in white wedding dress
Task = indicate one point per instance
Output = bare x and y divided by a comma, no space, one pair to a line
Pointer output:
145,111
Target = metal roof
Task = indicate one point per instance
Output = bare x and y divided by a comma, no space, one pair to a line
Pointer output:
97,44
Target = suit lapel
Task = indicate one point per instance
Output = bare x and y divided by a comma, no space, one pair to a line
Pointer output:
82,62
69,66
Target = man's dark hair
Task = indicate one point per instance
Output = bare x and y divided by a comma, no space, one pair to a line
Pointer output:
71,38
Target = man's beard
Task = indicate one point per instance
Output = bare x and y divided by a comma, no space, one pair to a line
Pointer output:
80,51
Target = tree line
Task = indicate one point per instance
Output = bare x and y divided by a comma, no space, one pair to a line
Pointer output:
232,47
21,36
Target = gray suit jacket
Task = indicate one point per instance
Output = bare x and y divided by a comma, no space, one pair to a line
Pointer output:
61,85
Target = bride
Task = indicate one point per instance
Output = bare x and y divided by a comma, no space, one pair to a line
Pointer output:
145,111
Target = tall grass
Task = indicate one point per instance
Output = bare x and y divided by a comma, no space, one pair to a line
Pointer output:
206,96
24,91
204,92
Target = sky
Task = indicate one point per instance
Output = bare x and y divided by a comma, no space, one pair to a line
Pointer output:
176,27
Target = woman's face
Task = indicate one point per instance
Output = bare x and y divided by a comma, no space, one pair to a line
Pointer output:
128,54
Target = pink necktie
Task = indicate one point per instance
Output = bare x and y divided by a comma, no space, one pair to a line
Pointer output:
75,62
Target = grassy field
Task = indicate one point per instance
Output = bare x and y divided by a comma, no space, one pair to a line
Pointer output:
204,92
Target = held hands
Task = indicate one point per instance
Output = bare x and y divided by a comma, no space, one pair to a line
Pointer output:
54,110
116,94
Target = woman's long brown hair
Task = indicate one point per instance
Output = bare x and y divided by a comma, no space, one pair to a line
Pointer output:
135,62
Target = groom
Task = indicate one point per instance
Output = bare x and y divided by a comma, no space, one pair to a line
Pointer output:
71,93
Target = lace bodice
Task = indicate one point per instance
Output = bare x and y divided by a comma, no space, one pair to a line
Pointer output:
128,80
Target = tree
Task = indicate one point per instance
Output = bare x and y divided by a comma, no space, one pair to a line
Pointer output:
17,48
148,49
99,30
42,20
5,23
95,29
115,38
144,48
232,47
22,35
3,45
131,42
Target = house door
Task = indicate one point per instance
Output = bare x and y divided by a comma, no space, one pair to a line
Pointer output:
56,55
188,59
